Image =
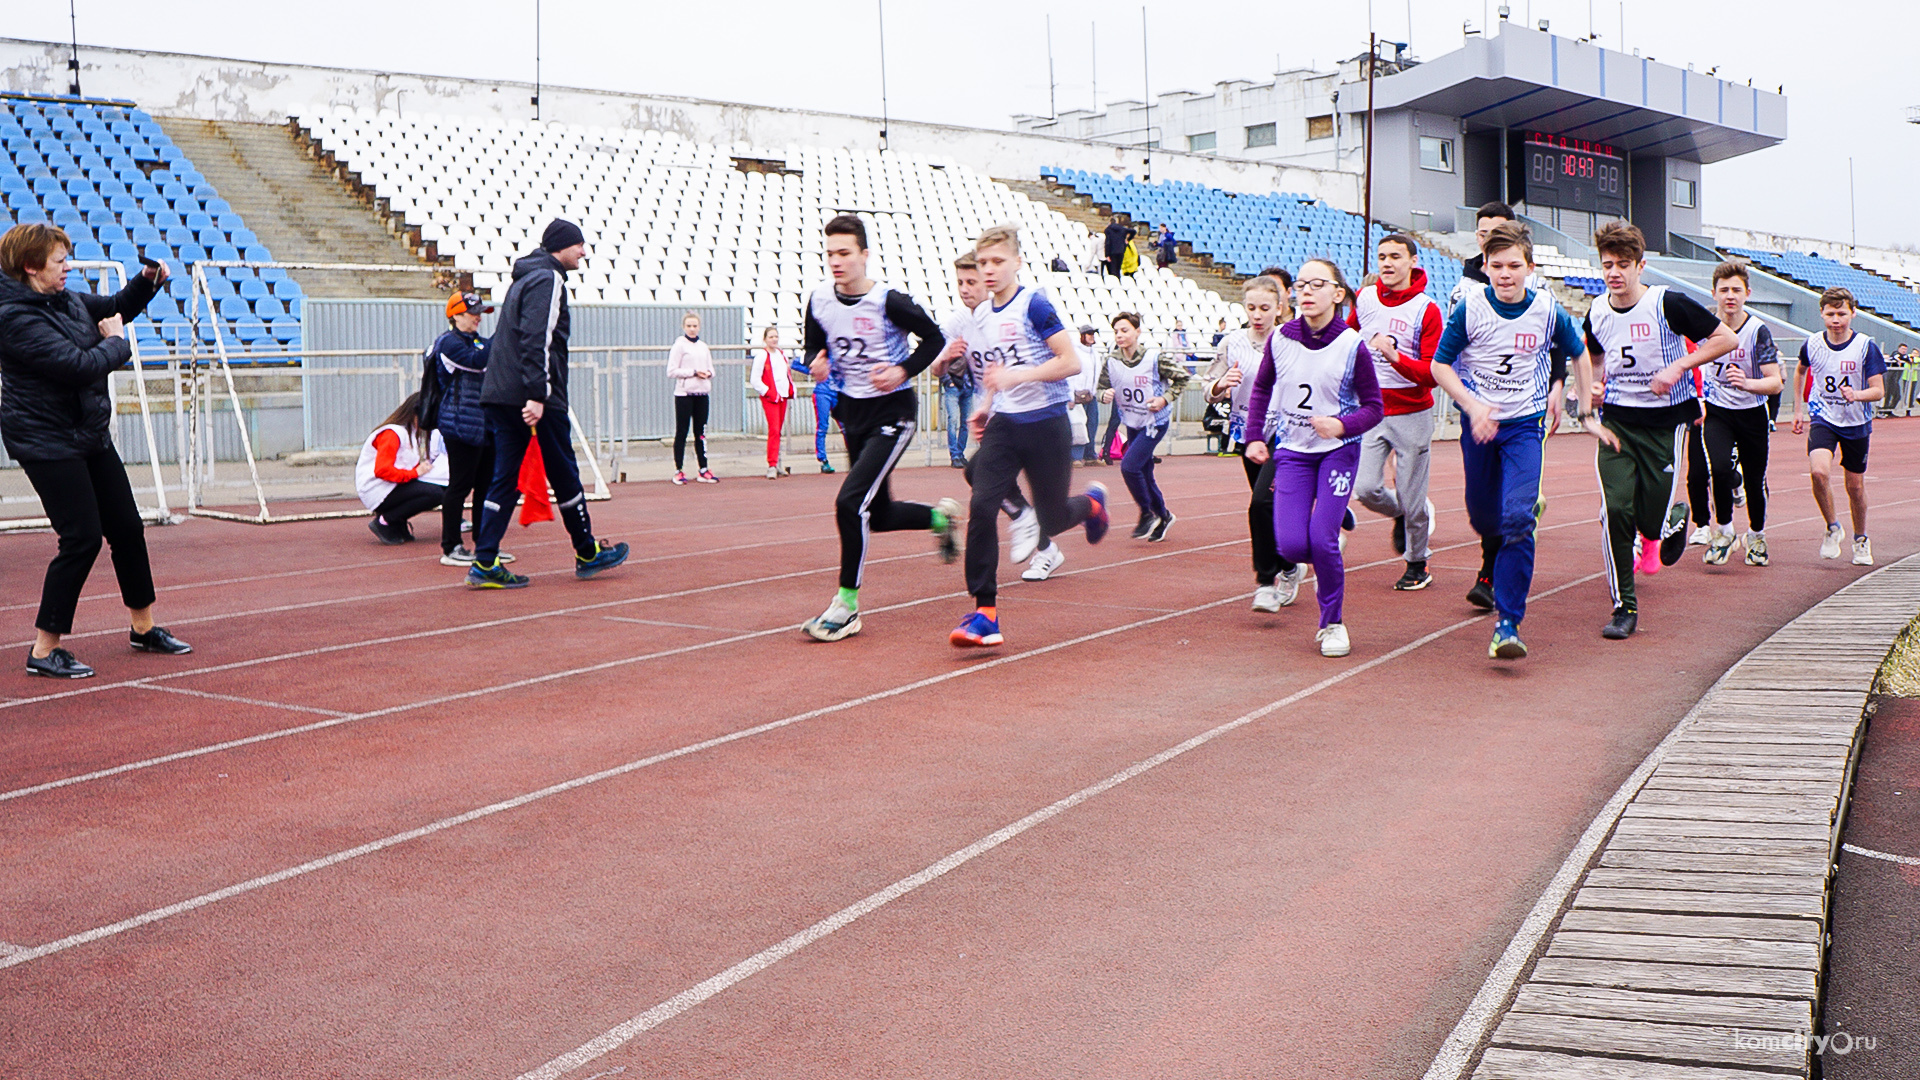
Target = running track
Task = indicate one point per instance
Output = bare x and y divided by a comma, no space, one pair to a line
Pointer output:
378,826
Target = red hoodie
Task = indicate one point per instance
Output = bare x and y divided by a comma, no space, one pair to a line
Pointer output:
1414,361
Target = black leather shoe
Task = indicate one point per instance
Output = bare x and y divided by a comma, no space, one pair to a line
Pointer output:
58,664
1481,595
1624,622
158,640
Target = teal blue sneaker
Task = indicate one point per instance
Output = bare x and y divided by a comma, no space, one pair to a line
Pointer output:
496,576
1506,642
605,557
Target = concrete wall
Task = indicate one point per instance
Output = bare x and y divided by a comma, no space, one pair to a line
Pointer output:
1396,154
213,88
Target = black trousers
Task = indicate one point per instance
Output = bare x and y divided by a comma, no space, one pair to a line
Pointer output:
1015,503
409,500
689,410
89,500
1699,481
510,438
469,467
1043,449
865,504
1746,431
1268,564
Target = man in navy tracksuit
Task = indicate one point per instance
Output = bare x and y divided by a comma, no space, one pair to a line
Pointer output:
524,396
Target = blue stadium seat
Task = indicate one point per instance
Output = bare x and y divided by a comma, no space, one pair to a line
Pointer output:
273,274
165,218
241,236
287,330
178,235
225,253
257,253
192,253
216,205
254,289
249,328
295,305
88,250
268,308
226,220
288,290
199,221
145,235
210,237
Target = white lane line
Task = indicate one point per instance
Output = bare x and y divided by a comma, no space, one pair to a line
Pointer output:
240,700
8,948
675,625
252,884
414,591
267,736
615,1037
1903,860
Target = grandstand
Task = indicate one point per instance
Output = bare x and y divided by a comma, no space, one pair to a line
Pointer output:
106,173
673,221
1873,291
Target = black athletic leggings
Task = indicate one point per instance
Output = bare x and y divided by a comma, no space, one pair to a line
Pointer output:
689,410
89,500
1268,563
1043,449
865,504
409,500
1746,431
1699,482
469,467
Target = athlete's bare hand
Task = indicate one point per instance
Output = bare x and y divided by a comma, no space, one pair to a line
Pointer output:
1664,379
977,425
1556,407
999,377
1257,453
889,378
532,411
1599,431
1481,422
1736,378
1223,387
1383,347
1081,397
1329,427
818,368
1799,426
1106,396
1156,404
1849,392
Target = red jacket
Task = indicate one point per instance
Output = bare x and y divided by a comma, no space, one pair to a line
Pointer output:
1415,364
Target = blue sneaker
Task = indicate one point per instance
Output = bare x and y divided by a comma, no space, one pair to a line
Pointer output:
1097,522
496,576
976,630
1506,642
605,557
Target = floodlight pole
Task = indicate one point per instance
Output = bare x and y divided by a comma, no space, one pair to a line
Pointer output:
536,59
1146,95
1053,109
1366,240
884,124
73,61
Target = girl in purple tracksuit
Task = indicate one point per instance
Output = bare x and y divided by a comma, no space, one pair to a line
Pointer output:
1317,392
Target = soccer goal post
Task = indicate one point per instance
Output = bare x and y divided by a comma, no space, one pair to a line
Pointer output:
107,278
210,376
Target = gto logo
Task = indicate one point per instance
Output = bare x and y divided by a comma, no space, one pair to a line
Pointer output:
1640,331
1397,327
864,324
1526,342
1009,332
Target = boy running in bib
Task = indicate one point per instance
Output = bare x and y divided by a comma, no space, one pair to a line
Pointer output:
1841,375
1141,384
1503,358
1021,421
1276,580
1316,374
1735,430
1642,332
856,333
1402,326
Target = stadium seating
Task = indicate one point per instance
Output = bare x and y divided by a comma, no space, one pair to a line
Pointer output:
1875,293
671,221
113,179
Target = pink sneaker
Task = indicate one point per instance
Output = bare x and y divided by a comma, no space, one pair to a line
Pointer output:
706,477
1649,561
679,478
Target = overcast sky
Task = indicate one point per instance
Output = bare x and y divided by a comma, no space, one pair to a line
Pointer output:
1846,64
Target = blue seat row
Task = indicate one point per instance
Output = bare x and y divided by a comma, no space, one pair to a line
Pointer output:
1871,291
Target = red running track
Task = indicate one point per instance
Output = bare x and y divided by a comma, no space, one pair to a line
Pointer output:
379,826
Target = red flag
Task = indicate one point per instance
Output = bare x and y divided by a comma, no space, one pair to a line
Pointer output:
534,504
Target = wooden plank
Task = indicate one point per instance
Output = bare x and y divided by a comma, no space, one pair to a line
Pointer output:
1700,827
1819,789
1703,903
1698,978
1648,922
1629,859
1677,1043
1738,952
1717,845
1751,772
1693,756
1697,881
1502,1063
1789,815
1766,800
1745,735
1820,729
1809,751
1748,1013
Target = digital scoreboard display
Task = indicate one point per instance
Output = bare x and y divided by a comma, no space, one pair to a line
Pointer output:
1573,174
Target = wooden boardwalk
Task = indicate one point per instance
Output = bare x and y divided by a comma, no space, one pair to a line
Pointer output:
1692,948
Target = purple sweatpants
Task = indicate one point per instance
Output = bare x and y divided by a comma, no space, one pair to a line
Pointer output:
1310,494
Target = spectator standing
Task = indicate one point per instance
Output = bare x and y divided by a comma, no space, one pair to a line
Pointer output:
1088,346
525,397
690,365
773,383
1909,381
58,348
957,379
1118,237
450,379
402,472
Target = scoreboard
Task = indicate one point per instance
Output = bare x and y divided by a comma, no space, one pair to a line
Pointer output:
1573,174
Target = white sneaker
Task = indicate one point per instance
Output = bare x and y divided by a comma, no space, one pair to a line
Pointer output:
1044,564
1266,598
1333,640
1289,585
773,473
833,624
1862,551
1830,547
1756,545
1701,535
1025,532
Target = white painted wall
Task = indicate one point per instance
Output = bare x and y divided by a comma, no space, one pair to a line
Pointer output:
215,88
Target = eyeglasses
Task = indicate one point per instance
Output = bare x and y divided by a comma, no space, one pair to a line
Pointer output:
1311,285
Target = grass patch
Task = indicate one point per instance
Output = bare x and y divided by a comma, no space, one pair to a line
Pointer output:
1900,675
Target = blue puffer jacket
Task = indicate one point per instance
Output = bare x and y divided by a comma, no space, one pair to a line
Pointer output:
456,366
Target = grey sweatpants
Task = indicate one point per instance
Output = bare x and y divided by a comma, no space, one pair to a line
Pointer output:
1410,437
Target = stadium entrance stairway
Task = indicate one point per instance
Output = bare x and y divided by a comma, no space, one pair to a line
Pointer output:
299,210
1193,266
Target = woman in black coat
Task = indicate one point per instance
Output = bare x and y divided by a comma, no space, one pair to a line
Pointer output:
57,349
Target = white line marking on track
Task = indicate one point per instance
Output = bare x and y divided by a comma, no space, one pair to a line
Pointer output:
239,700
615,1037
677,625
1903,860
